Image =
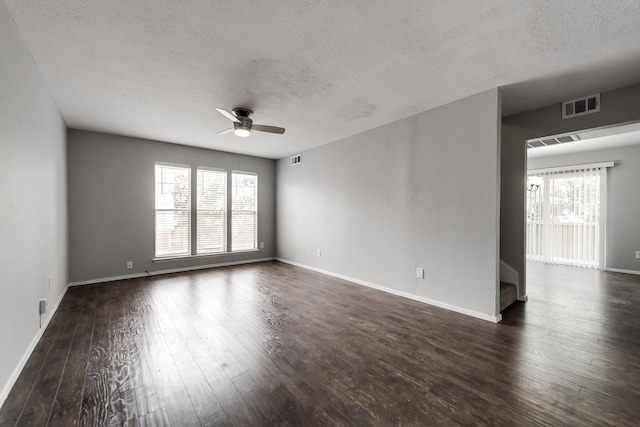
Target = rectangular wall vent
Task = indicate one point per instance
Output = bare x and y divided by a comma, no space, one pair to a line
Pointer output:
551,140
581,106
295,160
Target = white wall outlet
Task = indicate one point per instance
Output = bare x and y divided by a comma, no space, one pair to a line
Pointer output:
637,254
129,265
319,252
261,245
420,273
42,306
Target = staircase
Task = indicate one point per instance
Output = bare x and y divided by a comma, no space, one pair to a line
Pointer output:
508,294
508,285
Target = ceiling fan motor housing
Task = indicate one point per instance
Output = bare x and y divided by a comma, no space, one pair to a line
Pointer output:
242,113
243,128
242,124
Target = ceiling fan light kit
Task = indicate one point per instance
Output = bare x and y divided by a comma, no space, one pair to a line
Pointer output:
241,129
242,124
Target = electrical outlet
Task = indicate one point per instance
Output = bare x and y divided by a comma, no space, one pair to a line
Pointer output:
637,254
420,273
261,245
42,306
129,265
319,252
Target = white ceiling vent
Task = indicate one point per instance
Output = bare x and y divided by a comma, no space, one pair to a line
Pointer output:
581,106
551,140
295,160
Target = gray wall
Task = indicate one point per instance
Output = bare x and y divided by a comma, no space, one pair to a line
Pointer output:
616,106
418,192
33,206
111,203
623,199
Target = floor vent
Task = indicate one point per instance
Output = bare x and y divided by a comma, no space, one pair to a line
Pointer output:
551,140
581,106
295,160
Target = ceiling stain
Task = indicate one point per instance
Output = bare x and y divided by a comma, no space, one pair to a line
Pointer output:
277,82
357,108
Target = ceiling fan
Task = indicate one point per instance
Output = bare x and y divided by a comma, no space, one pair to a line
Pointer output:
242,124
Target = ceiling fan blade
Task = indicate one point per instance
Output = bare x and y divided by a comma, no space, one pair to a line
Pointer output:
223,132
228,115
270,129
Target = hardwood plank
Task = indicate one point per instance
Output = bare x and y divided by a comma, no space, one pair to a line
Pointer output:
204,401
109,394
97,390
231,401
68,398
169,385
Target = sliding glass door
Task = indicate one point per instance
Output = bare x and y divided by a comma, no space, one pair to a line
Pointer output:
565,216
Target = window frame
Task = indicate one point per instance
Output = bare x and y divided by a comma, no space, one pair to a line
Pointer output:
255,242
225,247
156,210
193,211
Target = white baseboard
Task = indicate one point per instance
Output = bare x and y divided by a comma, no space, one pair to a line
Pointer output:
25,357
461,310
168,271
620,270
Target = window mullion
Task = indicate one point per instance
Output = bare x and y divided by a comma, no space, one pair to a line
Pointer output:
194,211
229,210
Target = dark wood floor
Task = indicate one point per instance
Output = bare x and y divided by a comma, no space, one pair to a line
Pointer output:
272,344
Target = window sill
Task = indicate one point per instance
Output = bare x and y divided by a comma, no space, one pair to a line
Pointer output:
216,255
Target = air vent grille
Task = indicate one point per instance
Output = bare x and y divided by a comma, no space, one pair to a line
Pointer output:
567,138
551,140
295,160
581,106
534,144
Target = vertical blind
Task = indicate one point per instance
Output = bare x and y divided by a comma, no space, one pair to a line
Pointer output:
564,220
173,210
244,211
211,223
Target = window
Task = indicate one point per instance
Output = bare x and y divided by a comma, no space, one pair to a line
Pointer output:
173,210
207,226
211,223
244,211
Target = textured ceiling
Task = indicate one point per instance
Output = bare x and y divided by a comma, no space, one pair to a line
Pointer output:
322,69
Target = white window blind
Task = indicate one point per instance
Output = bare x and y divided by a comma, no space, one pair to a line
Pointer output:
173,210
244,211
211,211
565,217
